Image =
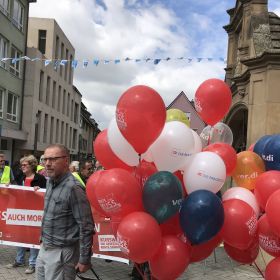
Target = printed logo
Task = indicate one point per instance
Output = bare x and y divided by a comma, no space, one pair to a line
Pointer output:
120,118
252,225
254,175
197,105
109,204
177,153
123,244
108,243
268,158
269,244
203,174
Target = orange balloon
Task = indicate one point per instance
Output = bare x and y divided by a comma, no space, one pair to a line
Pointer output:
249,166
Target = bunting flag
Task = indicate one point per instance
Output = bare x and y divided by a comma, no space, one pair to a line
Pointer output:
85,62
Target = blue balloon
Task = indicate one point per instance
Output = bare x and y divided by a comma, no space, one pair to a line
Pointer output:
201,216
260,144
271,153
162,195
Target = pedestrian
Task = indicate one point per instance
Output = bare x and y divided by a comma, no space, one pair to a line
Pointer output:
6,173
74,166
28,178
86,169
67,225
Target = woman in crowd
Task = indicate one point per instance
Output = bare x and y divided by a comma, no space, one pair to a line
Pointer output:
28,178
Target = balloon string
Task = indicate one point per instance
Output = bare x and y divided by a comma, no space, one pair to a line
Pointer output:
140,172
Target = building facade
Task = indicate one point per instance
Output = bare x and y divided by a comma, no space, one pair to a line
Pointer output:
182,103
88,132
13,36
51,105
253,71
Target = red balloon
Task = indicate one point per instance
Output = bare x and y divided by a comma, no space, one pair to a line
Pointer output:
212,100
266,184
143,171
171,259
246,256
172,226
204,250
272,211
104,153
272,271
226,152
240,224
118,192
140,116
269,242
91,183
139,236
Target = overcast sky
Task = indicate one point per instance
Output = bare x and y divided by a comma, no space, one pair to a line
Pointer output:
141,29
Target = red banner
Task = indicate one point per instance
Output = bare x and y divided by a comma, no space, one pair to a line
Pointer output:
21,212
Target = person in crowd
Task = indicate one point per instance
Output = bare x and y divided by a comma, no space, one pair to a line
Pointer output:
67,225
41,168
86,169
98,166
74,166
28,178
6,173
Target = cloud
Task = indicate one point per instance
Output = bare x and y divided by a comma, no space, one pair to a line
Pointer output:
116,29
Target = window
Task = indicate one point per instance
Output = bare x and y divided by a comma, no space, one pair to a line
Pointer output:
12,110
1,102
66,135
54,94
64,102
48,92
68,104
41,86
15,67
57,131
59,98
76,112
62,133
61,57
72,109
42,37
70,138
46,121
74,141
18,15
70,69
39,119
56,49
51,130
3,50
66,66
4,6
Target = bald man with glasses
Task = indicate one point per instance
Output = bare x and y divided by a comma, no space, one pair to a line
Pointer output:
67,225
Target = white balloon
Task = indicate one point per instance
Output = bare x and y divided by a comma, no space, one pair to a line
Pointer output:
120,146
147,156
197,148
244,195
172,147
197,142
206,171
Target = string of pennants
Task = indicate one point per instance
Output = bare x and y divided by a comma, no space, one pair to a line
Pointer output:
85,62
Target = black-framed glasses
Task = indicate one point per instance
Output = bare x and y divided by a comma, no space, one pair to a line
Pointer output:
51,159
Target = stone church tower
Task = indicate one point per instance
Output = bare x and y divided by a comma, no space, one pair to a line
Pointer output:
253,71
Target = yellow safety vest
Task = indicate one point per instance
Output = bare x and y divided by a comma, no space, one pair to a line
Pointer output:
40,167
5,178
77,176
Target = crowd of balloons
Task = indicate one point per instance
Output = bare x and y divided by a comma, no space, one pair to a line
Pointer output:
161,180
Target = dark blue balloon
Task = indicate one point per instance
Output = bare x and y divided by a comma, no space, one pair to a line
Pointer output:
201,216
271,153
260,144
162,195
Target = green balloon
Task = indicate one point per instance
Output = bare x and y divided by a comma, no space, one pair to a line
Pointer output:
162,195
